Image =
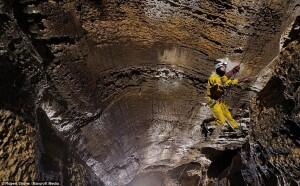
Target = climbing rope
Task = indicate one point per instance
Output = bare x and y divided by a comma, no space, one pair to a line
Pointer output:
235,74
228,91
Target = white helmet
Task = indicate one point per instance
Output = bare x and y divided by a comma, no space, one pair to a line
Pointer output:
220,63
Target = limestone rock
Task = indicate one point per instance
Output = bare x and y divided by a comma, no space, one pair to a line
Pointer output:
114,91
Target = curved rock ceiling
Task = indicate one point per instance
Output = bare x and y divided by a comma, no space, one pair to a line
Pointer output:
123,83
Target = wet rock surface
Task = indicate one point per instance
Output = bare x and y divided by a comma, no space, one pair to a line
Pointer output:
114,91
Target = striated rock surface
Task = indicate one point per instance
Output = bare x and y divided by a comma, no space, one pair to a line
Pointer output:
275,134
115,90
18,160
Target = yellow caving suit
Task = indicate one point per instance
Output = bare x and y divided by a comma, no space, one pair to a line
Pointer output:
215,90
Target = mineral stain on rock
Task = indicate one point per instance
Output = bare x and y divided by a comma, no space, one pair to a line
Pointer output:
113,92
17,148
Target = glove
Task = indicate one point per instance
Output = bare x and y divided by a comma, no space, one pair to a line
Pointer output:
236,69
232,72
211,103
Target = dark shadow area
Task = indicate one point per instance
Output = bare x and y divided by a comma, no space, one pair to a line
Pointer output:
57,161
31,24
14,93
291,129
221,160
273,95
11,82
294,34
53,151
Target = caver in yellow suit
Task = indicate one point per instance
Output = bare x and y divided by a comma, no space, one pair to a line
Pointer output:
216,89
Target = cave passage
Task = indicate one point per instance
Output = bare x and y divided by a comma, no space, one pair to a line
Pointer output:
114,91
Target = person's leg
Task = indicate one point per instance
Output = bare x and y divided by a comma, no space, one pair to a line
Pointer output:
220,119
234,124
218,113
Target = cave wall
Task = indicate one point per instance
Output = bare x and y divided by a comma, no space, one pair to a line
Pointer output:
93,49
275,118
82,42
22,76
73,67
18,149
19,66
